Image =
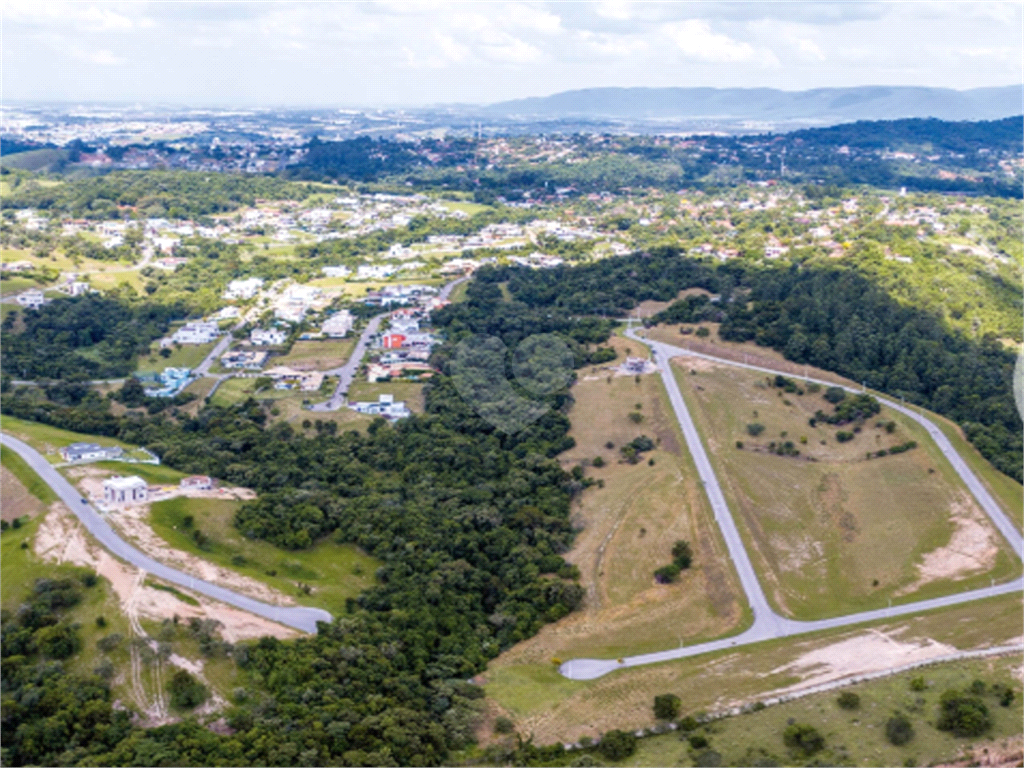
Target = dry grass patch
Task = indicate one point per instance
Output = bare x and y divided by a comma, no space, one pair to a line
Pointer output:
317,355
627,528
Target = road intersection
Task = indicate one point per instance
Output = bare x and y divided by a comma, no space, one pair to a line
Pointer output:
768,624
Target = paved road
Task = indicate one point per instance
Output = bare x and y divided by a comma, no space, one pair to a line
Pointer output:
301,618
347,372
219,349
767,623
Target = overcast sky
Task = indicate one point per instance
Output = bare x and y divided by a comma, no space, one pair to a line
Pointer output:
415,53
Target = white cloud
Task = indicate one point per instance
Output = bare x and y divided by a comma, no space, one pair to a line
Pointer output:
696,40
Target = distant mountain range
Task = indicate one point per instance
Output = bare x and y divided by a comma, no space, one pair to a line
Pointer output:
827,105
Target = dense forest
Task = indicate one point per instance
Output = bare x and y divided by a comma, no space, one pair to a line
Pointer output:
91,337
469,523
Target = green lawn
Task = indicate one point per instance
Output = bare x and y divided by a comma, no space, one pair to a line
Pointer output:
317,354
10,286
27,476
410,392
187,356
154,474
335,572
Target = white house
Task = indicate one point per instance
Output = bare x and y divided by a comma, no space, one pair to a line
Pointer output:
371,272
243,289
338,324
196,332
401,323
125,490
385,406
32,298
89,452
338,271
270,337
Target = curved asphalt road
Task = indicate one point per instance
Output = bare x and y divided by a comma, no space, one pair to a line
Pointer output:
301,618
767,623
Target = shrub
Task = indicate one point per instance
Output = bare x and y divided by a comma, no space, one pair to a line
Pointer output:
918,684
703,332
707,758
962,714
804,738
688,723
598,461
844,437
666,706
186,692
617,745
899,730
635,417
108,643
739,444
697,741
835,395
755,429
682,554
667,573
848,700
503,725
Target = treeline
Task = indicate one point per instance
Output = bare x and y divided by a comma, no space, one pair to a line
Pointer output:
173,194
89,337
827,316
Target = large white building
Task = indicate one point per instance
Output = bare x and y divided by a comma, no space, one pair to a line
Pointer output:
125,490
32,298
243,289
338,271
196,332
270,337
338,324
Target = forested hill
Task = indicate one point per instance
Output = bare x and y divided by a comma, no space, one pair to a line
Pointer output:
1006,135
827,316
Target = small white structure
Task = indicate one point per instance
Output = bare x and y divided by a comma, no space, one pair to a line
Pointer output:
125,490
32,298
196,483
196,332
338,271
338,324
271,337
243,289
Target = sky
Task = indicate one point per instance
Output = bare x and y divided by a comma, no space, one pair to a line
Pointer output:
408,53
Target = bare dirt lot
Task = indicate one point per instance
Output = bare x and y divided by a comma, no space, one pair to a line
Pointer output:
61,538
15,500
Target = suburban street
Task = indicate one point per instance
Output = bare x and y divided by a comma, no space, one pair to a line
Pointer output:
301,618
767,623
347,372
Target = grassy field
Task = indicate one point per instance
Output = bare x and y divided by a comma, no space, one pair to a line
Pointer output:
186,356
334,571
32,482
551,708
1007,491
626,531
11,286
47,439
410,392
317,355
854,737
829,531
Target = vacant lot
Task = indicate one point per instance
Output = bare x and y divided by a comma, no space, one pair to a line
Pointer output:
857,737
332,571
543,703
1007,491
830,531
627,529
317,355
185,356
410,392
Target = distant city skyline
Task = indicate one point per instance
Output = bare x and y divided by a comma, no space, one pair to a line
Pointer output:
391,54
